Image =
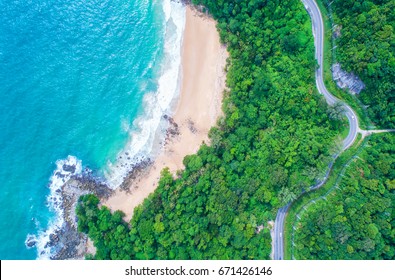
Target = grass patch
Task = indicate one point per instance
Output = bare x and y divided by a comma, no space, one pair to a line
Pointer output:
300,202
346,130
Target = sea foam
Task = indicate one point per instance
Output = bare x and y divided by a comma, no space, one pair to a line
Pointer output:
65,169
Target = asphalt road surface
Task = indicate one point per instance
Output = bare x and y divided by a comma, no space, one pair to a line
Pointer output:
318,32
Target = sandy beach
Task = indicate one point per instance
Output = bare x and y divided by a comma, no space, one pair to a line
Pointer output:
198,108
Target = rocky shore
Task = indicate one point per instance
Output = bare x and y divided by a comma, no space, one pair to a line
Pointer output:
65,242
69,243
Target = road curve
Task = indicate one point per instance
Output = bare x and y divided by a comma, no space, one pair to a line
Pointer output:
318,32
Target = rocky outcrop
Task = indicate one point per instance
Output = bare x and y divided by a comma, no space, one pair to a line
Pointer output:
67,242
173,128
134,173
347,80
337,31
63,241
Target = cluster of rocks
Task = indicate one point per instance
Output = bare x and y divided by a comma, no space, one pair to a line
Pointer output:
77,186
199,8
173,128
67,242
191,126
143,165
336,31
347,80
135,173
185,2
343,79
129,159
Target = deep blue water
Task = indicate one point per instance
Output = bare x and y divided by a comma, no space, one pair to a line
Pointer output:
72,78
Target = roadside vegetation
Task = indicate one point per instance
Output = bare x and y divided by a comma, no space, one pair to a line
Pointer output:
300,204
357,219
366,46
330,58
276,139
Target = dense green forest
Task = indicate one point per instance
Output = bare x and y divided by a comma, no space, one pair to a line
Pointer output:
367,47
357,221
275,140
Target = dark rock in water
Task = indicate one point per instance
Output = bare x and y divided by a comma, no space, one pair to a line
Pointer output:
69,168
54,238
60,175
69,239
87,171
31,242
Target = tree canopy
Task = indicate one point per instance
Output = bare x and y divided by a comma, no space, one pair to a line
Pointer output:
367,48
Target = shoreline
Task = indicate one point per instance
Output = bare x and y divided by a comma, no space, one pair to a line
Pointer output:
146,132
203,61
195,109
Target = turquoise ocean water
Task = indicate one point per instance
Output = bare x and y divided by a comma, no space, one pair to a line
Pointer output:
83,78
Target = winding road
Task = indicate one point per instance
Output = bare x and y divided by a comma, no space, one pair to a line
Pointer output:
318,32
